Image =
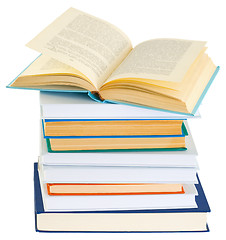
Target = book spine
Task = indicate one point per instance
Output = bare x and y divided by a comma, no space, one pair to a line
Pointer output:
96,97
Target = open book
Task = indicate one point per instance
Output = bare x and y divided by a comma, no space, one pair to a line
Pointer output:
81,52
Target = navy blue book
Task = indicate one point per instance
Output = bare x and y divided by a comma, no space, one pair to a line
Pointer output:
161,220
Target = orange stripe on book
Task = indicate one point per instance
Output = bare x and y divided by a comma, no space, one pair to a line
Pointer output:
49,185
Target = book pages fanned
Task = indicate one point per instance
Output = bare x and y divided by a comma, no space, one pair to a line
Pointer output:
89,44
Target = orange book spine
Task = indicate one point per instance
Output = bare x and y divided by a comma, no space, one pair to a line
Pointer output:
101,194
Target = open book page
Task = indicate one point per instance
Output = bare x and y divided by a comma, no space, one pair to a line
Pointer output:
159,60
45,65
92,46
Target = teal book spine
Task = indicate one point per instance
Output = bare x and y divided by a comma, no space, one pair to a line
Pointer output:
113,150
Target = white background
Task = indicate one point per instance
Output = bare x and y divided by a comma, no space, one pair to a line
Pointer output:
140,20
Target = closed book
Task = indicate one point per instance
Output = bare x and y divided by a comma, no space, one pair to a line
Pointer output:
89,189
72,105
155,220
116,174
116,143
102,127
167,158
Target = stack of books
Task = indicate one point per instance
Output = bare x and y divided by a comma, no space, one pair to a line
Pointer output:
102,171
121,159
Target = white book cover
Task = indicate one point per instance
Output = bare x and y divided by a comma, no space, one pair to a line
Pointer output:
119,202
87,174
80,106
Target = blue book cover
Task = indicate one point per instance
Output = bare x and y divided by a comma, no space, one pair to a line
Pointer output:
201,202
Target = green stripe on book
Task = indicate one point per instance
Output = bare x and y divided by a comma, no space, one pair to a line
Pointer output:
114,150
184,129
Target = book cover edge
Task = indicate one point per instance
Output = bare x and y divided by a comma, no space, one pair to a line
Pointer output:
206,90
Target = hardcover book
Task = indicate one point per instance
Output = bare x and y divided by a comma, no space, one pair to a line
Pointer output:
117,174
101,127
103,143
86,54
73,105
88,189
155,220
